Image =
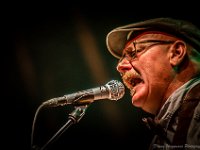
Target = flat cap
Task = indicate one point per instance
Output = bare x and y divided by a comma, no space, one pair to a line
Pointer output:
185,30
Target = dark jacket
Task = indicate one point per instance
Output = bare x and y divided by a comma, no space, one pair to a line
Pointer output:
187,131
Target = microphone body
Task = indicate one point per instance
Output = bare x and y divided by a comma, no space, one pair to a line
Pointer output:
113,90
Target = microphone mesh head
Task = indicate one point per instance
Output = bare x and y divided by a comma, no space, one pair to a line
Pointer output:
116,89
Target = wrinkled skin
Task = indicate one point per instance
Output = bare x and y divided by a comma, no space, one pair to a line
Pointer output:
151,76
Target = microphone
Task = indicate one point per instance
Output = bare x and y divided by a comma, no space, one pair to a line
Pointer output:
113,90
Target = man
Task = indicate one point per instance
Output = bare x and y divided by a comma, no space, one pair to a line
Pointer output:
159,61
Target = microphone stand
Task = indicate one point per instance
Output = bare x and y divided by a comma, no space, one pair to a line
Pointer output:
74,117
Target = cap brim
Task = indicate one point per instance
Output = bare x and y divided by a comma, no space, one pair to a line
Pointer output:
117,38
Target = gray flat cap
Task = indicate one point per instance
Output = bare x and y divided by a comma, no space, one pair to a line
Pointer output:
118,37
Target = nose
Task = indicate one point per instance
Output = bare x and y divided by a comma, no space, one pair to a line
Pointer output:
123,66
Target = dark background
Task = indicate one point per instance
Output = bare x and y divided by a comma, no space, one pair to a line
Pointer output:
51,49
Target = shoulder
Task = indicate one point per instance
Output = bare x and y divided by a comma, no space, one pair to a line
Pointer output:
193,136
193,93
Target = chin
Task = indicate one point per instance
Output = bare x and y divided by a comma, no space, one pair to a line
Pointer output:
137,102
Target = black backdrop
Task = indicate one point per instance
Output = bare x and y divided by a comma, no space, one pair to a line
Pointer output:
51,49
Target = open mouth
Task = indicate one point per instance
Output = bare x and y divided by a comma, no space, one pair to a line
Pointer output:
135,81
131,79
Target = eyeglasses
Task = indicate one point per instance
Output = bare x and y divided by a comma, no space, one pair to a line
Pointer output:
140,47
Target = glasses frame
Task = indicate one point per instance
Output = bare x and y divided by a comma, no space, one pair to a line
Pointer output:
133,53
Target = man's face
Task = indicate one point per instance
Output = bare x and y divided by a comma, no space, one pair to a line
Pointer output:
146,70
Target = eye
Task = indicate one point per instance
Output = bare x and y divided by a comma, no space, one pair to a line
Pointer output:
132,53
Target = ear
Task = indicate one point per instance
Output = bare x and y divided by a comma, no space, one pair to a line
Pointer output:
177,52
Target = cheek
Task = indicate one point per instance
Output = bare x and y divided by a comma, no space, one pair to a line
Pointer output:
155,67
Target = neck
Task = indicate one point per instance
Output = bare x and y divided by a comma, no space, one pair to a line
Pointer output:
180,79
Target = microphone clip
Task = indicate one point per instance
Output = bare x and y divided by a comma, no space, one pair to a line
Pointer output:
78,113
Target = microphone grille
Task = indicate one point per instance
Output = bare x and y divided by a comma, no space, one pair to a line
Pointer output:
116,89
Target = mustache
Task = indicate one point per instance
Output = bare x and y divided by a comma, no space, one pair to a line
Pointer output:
130,78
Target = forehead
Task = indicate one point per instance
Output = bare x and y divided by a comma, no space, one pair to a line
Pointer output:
151,36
